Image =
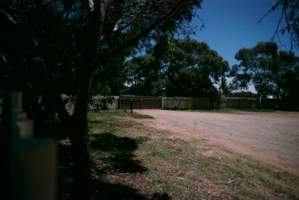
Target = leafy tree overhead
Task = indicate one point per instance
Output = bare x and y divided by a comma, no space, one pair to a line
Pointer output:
54,47
288,20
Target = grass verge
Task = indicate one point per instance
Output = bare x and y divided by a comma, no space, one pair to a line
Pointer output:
133,161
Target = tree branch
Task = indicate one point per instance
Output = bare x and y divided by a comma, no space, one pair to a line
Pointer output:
143,33
276,32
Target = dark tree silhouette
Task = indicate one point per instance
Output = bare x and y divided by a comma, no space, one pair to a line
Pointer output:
49,48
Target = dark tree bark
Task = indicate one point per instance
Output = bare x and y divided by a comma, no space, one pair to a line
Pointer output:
92,58
79,139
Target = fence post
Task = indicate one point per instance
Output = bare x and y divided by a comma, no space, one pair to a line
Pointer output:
131,105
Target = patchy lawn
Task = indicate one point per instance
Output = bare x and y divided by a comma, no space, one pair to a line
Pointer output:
133,161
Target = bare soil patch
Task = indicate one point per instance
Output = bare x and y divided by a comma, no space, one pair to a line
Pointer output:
270,137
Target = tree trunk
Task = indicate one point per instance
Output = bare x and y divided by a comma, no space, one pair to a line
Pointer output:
79,140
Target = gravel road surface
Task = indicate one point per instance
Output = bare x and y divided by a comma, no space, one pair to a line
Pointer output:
271,137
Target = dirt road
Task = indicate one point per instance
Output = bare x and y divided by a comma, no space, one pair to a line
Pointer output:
271,137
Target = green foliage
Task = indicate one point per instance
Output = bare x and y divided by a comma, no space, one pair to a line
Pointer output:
267,69
54,41
182,67
193,68
109,78
143,76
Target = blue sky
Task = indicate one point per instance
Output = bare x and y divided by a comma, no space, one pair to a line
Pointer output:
233,24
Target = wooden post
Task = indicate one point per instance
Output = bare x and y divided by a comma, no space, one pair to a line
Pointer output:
131,106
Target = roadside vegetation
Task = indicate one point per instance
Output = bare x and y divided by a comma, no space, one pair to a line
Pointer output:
133,161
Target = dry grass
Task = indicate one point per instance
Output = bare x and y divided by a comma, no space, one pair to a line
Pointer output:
133,161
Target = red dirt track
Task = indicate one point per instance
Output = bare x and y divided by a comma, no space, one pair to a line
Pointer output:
271,137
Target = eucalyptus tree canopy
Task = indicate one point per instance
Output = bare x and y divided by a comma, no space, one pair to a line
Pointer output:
193,63
184,68
265,67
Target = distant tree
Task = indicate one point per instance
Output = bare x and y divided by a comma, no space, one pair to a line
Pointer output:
242,94
180,67
145,74
142,76
192,68
190,82
264,67
224,86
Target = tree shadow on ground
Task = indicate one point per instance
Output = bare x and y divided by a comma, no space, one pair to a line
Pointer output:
111,155
97,122
65,170
114,155
109,191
